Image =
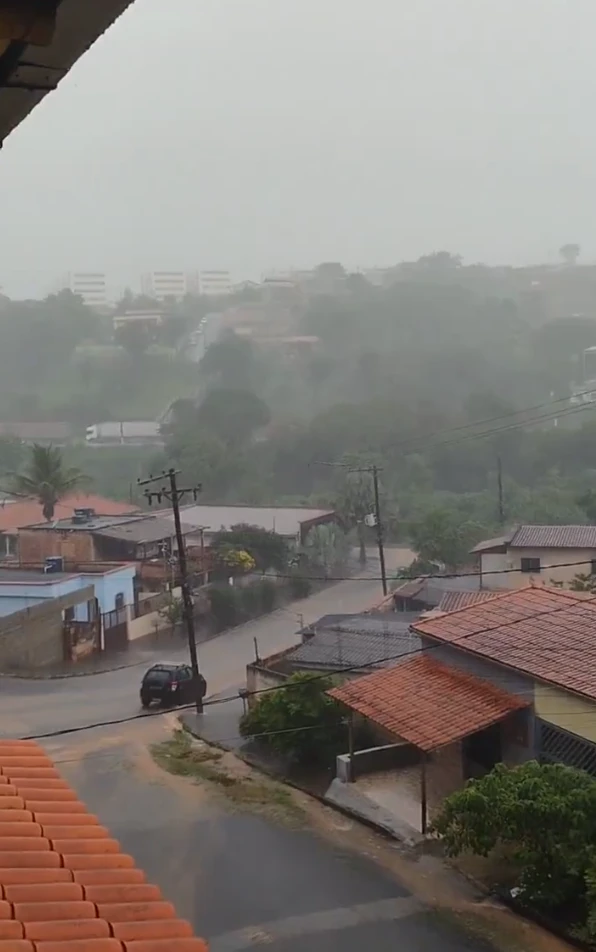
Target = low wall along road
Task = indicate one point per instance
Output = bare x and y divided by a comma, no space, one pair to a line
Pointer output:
65,884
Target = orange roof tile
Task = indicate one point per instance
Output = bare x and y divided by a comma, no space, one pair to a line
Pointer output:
64,884
547,633
427,703
27,512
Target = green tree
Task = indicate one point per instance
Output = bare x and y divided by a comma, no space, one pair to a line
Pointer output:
303,722
570,252
134,337
542,817
232,415
327,549
442,535
355,500
268,549
47,478
232,362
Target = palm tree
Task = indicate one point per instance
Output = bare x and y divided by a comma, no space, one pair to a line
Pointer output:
47,478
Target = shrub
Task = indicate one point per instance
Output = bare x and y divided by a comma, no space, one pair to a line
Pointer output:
303,722
224,603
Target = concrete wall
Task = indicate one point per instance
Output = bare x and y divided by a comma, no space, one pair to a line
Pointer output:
258,677
568,711
493,562
148,624
444,775
376,759
34,637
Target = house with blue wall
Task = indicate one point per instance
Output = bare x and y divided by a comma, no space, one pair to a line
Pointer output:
23,588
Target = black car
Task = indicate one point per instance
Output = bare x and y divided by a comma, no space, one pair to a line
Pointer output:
170,684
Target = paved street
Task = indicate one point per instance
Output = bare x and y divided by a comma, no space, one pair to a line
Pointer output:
243,879
31,707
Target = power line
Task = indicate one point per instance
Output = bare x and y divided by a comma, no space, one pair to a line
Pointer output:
570,606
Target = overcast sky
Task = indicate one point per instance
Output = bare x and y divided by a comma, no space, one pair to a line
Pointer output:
258,134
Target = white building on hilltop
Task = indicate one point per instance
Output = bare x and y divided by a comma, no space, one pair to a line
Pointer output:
215,283
90,285
169,285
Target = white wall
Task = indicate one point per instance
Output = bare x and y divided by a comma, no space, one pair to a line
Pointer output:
493,562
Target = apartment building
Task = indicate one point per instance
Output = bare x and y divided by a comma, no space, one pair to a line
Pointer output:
169,285
90,285
215,283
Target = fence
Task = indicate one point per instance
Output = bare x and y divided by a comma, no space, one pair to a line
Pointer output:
149,603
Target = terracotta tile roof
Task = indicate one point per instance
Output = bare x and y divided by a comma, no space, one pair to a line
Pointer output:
64,882
547,633
427,703
27,512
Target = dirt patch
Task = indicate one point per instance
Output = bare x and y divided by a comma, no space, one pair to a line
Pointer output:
224,774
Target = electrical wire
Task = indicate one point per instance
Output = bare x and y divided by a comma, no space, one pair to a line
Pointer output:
570,606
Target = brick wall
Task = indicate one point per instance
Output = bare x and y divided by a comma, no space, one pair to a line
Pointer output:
34,637
37,545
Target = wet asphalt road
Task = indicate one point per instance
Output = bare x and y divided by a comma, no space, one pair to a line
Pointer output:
29,707
242,879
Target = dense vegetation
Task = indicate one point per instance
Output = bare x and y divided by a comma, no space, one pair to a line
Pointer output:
537,824
434,377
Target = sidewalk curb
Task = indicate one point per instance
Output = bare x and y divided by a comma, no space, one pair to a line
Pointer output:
66,675
257,765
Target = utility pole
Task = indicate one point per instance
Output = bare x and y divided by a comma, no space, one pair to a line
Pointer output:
500,491
374,471
175,494
379,527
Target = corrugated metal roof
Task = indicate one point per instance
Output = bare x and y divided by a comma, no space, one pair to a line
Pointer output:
554,537
334,649
427,703
453,601
284,521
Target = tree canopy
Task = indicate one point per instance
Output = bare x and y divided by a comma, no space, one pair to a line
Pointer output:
47,478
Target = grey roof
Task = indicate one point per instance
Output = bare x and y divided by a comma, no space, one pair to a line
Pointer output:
495,543
33,576
334,649
555,537
542,537
140,531
284,521
94,524
431,590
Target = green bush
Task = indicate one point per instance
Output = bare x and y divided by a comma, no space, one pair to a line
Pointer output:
300,719
225,606
300,587
542,817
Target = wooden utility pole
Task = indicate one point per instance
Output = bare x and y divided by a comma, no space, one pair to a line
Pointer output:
373,471
500,491
172,492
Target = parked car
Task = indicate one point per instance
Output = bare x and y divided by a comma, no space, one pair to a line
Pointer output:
170,684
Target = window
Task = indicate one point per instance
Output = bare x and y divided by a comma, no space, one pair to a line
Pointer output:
184,674
530,565
119,601
69,614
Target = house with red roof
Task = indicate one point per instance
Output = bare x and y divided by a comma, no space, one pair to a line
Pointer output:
18,513
503,680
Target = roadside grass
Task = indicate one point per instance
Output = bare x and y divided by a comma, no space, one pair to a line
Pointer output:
182,756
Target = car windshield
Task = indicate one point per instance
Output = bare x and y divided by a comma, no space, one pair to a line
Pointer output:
158,674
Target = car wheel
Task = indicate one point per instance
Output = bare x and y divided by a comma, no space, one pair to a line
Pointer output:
145,701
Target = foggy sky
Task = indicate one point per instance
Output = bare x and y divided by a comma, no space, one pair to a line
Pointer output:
250,134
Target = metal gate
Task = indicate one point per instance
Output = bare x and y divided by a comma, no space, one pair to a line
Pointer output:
115,629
